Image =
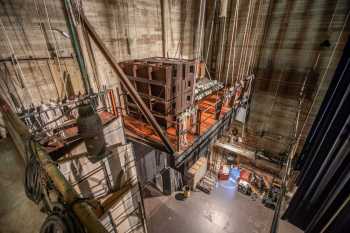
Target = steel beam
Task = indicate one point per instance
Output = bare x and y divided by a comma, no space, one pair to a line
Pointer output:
127,84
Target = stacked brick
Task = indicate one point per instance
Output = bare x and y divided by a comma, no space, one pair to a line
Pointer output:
165,85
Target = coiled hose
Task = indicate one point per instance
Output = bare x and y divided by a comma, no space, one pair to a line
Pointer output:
62,220
34,176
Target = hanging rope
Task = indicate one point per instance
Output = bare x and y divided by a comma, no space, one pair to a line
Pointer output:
234,46
211,31
232,38
180,42
17,68
201,27
243,42
47,49
56,48
255,39
28,50
221,51
245,73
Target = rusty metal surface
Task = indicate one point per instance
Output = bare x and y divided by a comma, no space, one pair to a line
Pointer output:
138,128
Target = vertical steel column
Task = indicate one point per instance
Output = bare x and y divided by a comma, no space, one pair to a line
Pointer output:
76,45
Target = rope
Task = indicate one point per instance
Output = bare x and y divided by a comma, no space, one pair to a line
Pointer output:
211,31
221,52
243,42
233,34
18,71
251,18
55,45
252,50
234,47
47,48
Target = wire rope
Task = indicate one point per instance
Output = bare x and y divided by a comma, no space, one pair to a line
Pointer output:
243,41
231,43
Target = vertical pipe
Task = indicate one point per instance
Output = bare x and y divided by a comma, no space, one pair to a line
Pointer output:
76,45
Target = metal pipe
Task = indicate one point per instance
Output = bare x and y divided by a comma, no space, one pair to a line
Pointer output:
25,59
76,45
127,84
20,134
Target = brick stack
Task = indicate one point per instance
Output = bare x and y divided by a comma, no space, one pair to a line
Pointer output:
165,85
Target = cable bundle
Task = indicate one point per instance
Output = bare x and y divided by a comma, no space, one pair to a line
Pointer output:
34,176
62,220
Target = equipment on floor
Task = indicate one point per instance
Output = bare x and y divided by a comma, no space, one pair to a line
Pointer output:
271,196
207,183
224,172
244,185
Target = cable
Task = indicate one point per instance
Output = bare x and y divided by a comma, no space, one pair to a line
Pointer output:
34,175
62,219
234,34
211,32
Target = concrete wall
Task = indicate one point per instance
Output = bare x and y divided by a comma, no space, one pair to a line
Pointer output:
283,46
130,29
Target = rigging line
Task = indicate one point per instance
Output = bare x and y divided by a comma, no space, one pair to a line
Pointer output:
56,48
6,94
322,80
245,73
28,45
47,48
8,75
258,39
243,41
17,67
180,42
198,55
221,52
234,47
211,31
274,99
252,50
231,43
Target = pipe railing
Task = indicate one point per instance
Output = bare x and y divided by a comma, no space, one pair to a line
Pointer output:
20,135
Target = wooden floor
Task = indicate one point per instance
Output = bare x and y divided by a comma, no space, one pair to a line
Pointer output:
145,131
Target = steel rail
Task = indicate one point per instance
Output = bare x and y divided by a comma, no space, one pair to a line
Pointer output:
20,134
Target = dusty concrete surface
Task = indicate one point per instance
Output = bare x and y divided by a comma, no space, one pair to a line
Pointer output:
17,213
223,211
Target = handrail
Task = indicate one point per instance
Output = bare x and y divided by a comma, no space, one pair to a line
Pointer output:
20,134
